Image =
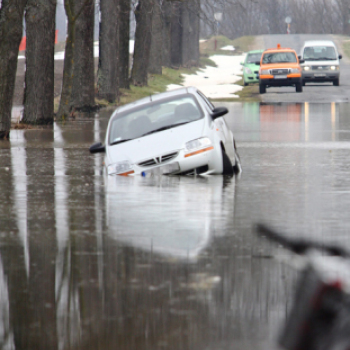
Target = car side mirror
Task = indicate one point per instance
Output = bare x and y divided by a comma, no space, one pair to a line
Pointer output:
340,57
299,57
301,61
219,112
97,148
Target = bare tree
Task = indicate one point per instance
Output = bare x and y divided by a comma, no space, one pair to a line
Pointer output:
65,107
155,62
143,15
190,33
176,34
108,59
40,50
250,17
342,9
11,28
83,87
299,11
124,38
166,33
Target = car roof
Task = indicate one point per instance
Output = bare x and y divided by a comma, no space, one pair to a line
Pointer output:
278,48
255,51
157,97
319,43
283,49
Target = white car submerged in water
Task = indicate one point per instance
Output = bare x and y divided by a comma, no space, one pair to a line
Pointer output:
178,132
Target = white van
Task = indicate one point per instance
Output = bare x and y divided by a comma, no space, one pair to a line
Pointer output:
321,62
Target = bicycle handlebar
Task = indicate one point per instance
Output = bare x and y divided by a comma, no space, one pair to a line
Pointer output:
300,246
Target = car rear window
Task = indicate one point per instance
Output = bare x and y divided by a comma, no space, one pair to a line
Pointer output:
279,57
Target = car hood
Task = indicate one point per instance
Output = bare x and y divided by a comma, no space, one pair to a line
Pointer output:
156,144
252,66
320,63
280,65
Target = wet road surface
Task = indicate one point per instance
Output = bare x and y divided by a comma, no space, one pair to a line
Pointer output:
95,262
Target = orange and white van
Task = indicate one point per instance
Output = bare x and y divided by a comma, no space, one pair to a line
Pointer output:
280,67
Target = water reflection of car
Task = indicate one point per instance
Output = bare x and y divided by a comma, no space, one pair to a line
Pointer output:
175,216
251,68
175,132
321,62
280,67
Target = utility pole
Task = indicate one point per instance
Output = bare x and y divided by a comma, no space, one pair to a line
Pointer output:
218,18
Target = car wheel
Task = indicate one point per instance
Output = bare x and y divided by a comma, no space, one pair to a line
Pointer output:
262,88
336,82
299,87
245,84
304,83
227,168
237,167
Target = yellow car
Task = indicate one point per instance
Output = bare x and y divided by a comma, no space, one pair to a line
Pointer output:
280,67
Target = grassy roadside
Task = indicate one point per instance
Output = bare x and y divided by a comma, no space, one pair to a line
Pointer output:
249,93
345,42
158,83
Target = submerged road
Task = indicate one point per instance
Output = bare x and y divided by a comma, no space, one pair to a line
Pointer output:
89,261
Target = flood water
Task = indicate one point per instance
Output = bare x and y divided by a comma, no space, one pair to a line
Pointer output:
95,262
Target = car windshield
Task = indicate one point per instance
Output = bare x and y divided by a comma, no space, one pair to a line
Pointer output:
253,57
319,53
279,57
153,117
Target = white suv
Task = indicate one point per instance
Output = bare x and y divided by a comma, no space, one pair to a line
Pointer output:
321,62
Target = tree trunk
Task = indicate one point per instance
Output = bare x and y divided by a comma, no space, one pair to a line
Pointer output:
124,38
73,12
40,50
64,109
108,58
176,35
185,33
83,88
143,15
155,62
11,27
190,33
166,20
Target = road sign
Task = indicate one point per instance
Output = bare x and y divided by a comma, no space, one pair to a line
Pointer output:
288,20
218,16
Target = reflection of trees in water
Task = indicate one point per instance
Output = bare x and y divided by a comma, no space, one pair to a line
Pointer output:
253,292
140,301
30,291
